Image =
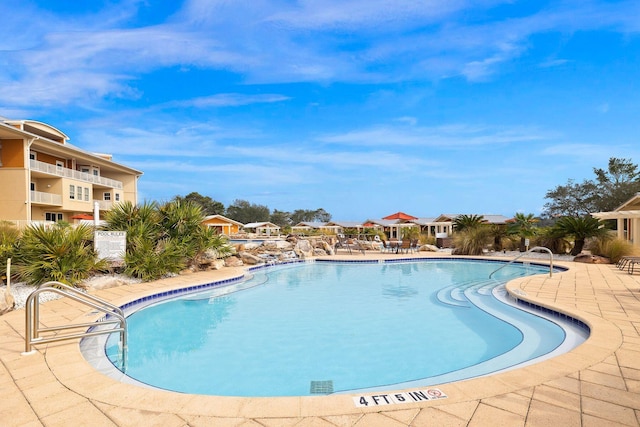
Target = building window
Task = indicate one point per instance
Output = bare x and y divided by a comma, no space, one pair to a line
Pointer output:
107,197
33,186
79,193
32,155
86,194
53,216
117,195
72,192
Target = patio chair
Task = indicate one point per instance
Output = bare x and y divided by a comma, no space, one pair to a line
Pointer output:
405,246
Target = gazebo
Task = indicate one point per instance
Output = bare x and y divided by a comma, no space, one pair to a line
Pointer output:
263,228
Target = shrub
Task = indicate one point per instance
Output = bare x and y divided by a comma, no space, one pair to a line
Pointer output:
9,235
61,253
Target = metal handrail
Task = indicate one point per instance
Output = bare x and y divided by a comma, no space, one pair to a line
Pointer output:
523,254
32,318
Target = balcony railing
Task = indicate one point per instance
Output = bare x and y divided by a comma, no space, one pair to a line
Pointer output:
46,198
70,173
104,205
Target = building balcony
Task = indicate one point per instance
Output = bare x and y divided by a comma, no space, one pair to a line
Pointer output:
46,198
48,168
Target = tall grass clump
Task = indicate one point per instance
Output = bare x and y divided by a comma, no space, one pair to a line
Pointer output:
471,241
612,248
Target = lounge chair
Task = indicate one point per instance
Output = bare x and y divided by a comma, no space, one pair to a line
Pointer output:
347,244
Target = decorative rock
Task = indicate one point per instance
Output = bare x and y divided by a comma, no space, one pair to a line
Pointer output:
303,249
429,248
326,247
105,282
250,259
319,252
217,264
233,261
591,259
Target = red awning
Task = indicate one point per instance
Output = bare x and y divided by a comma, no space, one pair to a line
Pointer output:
83,216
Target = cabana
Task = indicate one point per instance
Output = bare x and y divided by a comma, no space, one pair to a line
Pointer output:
222,224
627,217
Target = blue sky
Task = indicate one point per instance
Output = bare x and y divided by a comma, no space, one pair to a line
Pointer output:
362,107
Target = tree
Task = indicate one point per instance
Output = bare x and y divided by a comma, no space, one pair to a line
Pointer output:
208,205
305,215
523,226
610,189
245,212
617,184
281,218
580,228
571,199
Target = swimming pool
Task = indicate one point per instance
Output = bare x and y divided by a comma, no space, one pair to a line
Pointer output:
319,328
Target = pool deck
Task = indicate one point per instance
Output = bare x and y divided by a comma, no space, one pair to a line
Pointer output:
596,384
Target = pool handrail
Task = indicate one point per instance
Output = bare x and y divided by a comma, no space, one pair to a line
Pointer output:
525,253
32,318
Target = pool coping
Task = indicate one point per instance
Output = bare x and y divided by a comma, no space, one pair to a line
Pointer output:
71,371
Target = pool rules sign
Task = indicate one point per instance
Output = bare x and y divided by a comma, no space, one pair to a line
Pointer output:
110,245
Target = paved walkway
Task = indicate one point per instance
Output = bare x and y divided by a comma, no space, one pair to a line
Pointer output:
596,384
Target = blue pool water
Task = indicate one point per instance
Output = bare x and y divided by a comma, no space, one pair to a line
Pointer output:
345,326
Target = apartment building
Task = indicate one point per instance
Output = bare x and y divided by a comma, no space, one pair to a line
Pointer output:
44,178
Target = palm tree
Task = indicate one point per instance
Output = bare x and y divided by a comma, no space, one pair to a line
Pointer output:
463,222
580,228
499,232
524,226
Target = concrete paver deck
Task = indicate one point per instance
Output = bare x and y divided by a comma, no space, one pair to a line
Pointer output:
596,384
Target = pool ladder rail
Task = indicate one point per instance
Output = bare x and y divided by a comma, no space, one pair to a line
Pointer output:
535,248
33,329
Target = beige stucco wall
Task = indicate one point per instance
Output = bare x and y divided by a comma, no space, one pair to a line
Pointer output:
14,194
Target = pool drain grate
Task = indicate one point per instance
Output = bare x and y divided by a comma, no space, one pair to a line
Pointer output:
321,387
